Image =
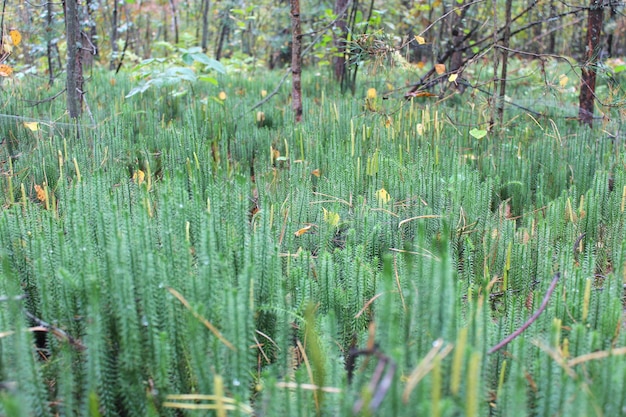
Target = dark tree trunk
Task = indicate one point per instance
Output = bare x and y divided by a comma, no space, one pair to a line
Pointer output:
205,25
595,16
74,81
114,26
339,61
552,41
220,41
505,59
296,57
49,46
175,20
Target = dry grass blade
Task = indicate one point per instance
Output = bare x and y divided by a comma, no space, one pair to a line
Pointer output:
310,387
204,321
439,351
425,216
309,372
596,355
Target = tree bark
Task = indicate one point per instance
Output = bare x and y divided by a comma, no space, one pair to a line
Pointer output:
114,26
174,20
595,16
205,25
49,46
74,80
505,60
339,61
296,58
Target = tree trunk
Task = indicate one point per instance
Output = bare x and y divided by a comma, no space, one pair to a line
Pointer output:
205,25
505,60
339,61
296,64
90,47
595,16
49,46
114,25
74,80
174,20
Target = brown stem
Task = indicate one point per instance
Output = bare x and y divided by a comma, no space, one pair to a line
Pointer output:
532,318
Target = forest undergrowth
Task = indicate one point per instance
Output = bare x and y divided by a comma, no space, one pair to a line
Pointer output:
177,254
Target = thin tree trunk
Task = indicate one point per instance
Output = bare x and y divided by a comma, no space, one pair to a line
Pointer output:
49,47
339,61
505,60
296,64
74,80
114,26
552,41
595,16
205,25
90,47
220,41
175,20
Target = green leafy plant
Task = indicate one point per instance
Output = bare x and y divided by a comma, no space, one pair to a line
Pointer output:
191,65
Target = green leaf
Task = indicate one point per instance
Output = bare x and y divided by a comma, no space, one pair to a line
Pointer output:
208,79
478,133
619,68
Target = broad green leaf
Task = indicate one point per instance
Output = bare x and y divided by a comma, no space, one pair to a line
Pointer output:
478,133
208,79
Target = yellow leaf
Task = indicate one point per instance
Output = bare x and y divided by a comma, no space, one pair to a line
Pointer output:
440,68
420,39
371,93
139,176
34,126
388,121
275,154
263,93
452,78
316,172
222,96
383,196
302,231
16,37
331,217
41,193
563,80
421,64
420,129
5,70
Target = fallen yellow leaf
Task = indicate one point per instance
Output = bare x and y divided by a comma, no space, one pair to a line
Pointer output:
383,196
440,68
304,230
420,40
34,126
16,37
331,217
41,193
139,176
5,70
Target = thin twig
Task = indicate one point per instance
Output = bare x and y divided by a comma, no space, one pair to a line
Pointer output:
530,321
59,333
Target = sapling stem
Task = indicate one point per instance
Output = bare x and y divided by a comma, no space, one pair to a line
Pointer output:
530,321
